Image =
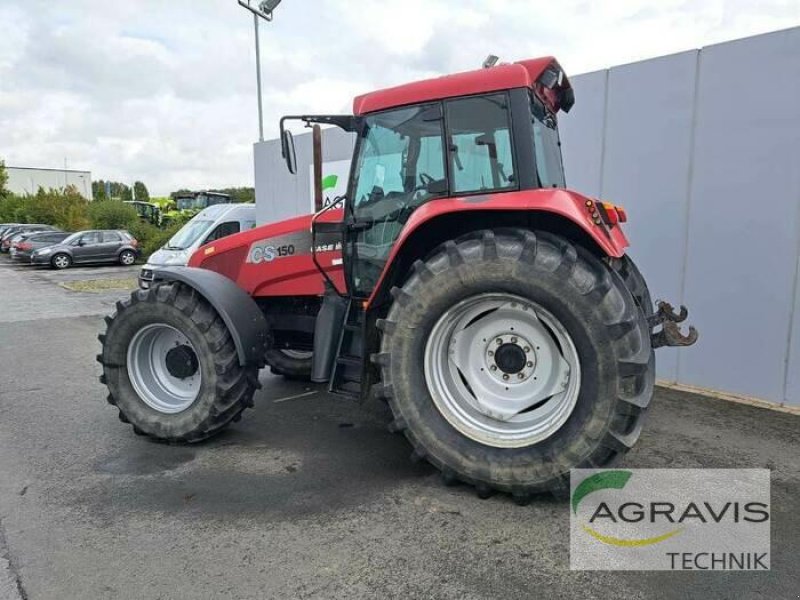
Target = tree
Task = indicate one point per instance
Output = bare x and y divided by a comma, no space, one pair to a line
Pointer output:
240,194
99,190
140,192
112,215
111,190
180,192
3,180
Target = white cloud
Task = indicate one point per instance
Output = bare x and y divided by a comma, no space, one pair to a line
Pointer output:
165,91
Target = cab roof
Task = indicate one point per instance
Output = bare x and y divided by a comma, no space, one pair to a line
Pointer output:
525,73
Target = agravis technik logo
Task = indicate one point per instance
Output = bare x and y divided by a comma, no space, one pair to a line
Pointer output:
670,519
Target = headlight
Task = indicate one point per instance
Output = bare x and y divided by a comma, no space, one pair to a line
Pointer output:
179,258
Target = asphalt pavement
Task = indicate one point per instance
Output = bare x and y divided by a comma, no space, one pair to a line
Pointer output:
309,496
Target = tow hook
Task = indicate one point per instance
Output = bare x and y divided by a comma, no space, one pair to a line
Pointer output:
670,334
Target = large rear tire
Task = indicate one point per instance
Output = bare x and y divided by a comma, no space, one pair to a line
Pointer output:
635,282
455,367
171,366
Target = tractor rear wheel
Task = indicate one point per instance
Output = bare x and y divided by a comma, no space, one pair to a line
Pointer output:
510,357
635,282
292,364
171,366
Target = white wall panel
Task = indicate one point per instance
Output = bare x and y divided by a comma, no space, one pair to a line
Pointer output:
792,395
582,133
646,169
743,215
281,195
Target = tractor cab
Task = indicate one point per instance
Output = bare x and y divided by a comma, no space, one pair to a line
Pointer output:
197,201
468,136
147,211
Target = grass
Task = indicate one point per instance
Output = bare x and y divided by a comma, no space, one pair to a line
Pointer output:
100,285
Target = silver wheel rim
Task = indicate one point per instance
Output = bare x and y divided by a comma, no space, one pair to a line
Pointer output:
156,385
480,384
61,261
128,258
297,354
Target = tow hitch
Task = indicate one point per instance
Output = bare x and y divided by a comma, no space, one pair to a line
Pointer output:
670,334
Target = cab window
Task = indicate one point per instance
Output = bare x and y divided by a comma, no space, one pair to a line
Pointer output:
547,146
479,137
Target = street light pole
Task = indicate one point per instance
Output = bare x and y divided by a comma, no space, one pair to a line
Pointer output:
264,11
258,82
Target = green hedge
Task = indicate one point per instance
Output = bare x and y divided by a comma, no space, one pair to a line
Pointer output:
68,210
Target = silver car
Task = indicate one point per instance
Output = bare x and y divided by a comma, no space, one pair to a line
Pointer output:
94,246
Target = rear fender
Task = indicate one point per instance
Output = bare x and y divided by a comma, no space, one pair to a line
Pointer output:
242,316
560,211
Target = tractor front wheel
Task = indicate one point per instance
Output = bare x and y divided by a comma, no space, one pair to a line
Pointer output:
510,357
291,364
171,366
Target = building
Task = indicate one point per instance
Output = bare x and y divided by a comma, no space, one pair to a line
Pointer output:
28,180
702,148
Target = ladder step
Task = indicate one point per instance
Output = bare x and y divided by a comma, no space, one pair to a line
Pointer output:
347,388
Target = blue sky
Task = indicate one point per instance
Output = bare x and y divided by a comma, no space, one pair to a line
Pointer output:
164,91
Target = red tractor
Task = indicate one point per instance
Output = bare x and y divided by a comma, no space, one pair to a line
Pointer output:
494,310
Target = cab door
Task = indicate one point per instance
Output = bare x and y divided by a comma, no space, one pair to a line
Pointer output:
400,164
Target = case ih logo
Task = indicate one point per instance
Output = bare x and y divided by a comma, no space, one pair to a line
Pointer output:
670,519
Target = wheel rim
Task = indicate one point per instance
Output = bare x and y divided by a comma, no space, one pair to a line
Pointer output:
297,354
61,261
128,258
163,368
502,370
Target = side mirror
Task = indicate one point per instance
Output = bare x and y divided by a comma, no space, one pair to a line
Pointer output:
288,152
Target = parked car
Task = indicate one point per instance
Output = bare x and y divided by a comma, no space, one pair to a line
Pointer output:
210,224
5,227
5,239
23,249
95,246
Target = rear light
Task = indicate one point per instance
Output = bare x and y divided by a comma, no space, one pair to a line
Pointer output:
612,218
24,246
606,212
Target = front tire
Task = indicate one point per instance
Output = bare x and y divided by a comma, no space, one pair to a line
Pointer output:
61,261
171,366
568,309
127,258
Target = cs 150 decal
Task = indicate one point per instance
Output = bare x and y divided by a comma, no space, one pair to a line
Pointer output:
282,246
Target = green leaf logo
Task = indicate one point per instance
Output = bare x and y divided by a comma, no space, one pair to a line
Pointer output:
329,182
599,481
612,480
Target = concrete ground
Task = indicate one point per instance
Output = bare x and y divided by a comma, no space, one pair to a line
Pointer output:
308,496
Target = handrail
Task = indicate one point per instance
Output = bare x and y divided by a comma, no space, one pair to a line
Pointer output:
336,200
